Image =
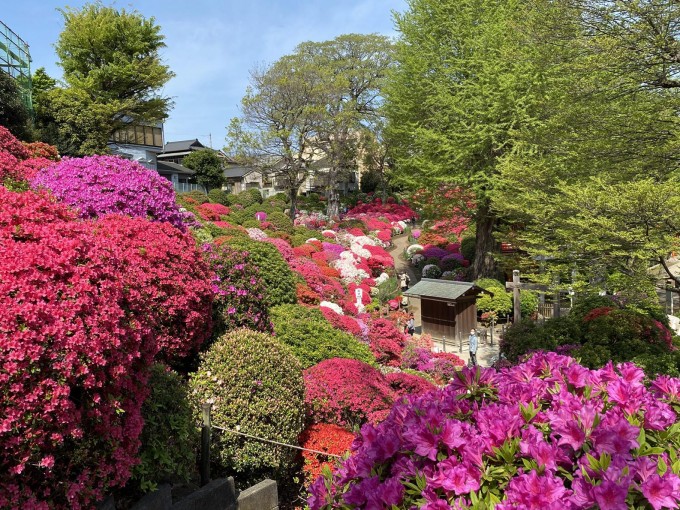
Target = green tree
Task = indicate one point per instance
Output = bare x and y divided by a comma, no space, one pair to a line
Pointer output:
208,167
466,80
13,112
113,74
276,128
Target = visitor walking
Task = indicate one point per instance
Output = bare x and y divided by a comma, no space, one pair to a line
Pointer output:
404,281
473,347
411,325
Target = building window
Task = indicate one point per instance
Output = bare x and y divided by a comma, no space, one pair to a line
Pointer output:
140,135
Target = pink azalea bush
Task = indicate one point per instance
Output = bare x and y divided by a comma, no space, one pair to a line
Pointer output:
100,185
548,433
390,211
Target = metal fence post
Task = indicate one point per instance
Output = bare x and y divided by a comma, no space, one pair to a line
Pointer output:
205,444
444,343
460,342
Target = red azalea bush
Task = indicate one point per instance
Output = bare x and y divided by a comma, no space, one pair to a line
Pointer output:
323,437
343,322
307,296
10,144
305,250
346,392
283,246
212,212
330,272
384,235
365,292
598,312
408,384
74,354
376,209
386,342
433,239
41,150
167,276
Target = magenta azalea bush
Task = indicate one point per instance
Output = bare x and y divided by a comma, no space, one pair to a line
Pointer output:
546,434
100,185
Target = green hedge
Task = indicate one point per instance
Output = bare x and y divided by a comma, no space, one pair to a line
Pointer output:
312,338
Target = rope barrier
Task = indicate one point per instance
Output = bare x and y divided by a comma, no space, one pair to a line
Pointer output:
238,432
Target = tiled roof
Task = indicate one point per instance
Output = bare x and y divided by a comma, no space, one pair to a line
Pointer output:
441,289
182,145
165,166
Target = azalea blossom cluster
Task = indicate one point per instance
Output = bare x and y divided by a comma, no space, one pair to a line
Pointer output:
313,220
390,211
20,161
548,433
86,307
100,185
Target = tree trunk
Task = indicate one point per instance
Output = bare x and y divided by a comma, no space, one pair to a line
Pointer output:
333,204
484,265
292,193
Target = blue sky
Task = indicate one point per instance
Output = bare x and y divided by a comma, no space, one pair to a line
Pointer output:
212,45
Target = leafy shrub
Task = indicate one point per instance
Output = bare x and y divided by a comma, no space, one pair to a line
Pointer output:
256,194
322,437
528,302
254,382
500,302
622,335
312,338
197,196
468,247
170,437
530,436
404,384
527,336
239,292
301,234
279,280
74,356
346,392
281,221
431,271
218,196
100,185
247,198
659,364
584,304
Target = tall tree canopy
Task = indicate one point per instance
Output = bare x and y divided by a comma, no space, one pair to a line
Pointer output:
465,83
113,74
306,112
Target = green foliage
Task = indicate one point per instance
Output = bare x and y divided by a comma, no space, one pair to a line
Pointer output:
585,303
500,302
281,221
659,364
219,196
527,336
312,338
113,72
246,198
467,247
208,167
301,234
254,383
256,194
170,437
388,290
528,301
14,114
279,280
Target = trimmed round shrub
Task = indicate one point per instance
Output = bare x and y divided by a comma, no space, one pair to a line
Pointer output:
431,271
527,336
386,342
282,222
312,338
279,280
247,198
254,383
239,291
166,275
170,437
346,392
218,196
404,384
468,247
100,185
256,194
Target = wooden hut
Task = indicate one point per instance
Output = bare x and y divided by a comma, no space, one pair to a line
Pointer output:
446,308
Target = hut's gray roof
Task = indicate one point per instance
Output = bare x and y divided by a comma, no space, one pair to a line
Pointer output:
167,167
441,289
